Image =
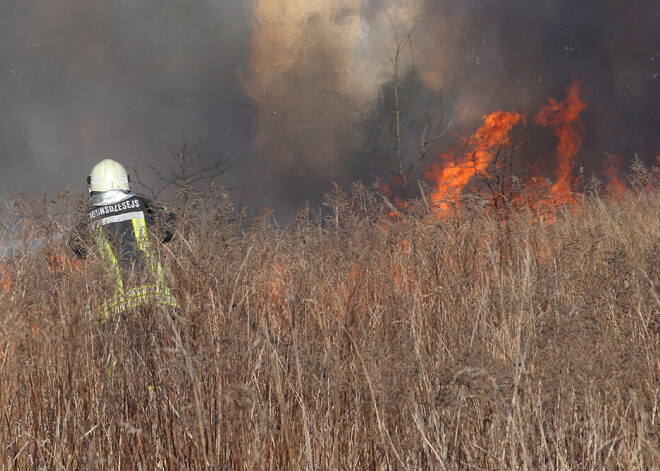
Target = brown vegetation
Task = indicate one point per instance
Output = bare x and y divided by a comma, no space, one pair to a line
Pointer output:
352,340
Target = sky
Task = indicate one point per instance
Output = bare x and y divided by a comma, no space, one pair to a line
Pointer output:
298,94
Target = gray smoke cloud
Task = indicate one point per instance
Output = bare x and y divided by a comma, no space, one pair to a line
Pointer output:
301,91
124,80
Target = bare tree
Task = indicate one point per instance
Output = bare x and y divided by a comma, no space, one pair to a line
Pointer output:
187,171
408,141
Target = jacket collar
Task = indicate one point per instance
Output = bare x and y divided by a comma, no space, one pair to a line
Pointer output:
110,197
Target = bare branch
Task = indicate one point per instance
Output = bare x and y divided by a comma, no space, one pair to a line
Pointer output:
186,171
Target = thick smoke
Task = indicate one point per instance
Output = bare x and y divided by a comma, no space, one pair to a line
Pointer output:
317,70
126,80
322,75
301,90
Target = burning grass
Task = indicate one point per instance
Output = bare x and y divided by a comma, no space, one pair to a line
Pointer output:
348,340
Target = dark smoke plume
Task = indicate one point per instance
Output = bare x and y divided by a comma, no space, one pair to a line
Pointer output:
303,89
127,80
316,85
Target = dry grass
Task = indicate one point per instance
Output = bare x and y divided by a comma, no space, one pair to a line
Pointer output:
352,340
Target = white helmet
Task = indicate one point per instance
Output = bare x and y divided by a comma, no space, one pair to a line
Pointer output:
108,175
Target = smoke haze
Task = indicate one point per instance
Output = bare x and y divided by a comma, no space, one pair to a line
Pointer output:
300,91
123,80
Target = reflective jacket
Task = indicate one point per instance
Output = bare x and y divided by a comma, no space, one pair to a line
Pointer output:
122,227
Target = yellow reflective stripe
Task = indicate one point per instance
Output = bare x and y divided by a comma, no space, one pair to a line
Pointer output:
105,248
138,297
158,293
160,279
138,231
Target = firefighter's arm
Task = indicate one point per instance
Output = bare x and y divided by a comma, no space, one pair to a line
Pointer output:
166,219
79,239
163,219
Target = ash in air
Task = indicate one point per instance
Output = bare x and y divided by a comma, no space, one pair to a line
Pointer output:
303,93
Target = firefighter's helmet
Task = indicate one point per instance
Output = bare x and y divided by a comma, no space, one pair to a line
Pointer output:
108,175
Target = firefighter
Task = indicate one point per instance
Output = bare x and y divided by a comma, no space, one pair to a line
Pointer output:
124,227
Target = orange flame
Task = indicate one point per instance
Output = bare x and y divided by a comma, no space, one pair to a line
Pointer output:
612,168
5,278
451,178
274,315
58,262
564,118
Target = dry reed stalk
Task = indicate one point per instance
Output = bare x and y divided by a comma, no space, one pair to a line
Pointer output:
476,339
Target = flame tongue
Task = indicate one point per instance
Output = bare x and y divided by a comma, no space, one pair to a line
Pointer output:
451,175
451,178
612,169
564,119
